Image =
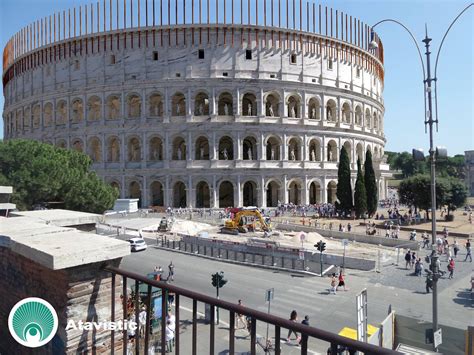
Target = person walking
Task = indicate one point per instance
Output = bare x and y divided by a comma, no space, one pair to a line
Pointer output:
468,251
169,336
293,318
455,248
341,282
407,259
240,318
171,271
305,321
451,268
429,283
333,284
413,260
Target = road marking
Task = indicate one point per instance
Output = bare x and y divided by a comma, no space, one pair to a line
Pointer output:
313,294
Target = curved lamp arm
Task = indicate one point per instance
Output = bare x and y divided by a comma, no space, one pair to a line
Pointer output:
449,28
412,37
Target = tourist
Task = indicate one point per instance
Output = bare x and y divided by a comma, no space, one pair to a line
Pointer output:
171,271
305,321
333,284
341,282
455,248
413,260
293,318
240,318
451,268
468,251
407,259
169,336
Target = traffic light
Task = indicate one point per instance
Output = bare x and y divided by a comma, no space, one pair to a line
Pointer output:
321,246
215,279
222,281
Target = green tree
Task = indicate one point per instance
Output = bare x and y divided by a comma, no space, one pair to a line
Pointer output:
360,195
457,194
370,184
344,188
42,173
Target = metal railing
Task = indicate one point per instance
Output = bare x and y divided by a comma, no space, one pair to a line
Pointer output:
336,341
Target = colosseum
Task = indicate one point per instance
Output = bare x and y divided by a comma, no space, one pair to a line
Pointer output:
202,104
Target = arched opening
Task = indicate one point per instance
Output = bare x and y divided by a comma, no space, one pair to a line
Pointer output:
375,120
315,150
294,149
155,149
157,196
346,113
331,111
135,191
331,192
332,151
155,105
358,116
77,111
249,105
61,112
294,192
178,105
314,109
273,189
179,149
314,193
348,148
37,114
376,152
249,146
78,146
360,152
95,150
61,144
179,194
93,108
27,118
134,106
201,104
116,186
293,106
134,149
367,118
113,150
226,194
202,148
224,104
113,107
203,195
273,148
250,194
226,148
48,114
272,105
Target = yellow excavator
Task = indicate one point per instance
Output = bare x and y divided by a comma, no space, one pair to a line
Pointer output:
244,220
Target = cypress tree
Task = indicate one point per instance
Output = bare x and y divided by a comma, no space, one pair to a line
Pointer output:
344,189
370,184
360,195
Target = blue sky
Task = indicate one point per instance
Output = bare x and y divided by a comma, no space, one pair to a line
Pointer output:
403,93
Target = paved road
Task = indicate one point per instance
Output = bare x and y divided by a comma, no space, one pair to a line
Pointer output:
309,295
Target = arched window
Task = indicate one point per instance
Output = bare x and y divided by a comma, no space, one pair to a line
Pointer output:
157,195
272,105
226,194
358,116
179,149
250,193
178,105
48,114
36,115
346,113
314,150
294,149
134,150
294,192
134,106
273,148
156,149
95,150
224,105
61,112
94,105
331,111
179,194
201,104
203,195
155,105
348,148
113,150
332,151
314,109
226,148
273,193
249,146
293,103
202,148
113,107
367,118
77,145
249,105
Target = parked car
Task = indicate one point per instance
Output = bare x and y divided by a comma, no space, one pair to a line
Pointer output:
137,244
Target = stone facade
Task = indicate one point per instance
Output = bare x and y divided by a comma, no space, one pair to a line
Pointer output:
206,116
469,161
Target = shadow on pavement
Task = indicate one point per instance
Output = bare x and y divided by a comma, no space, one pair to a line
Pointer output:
464,297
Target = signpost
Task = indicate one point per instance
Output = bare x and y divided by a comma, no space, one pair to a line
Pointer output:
345,242
437,338
268,298
361,308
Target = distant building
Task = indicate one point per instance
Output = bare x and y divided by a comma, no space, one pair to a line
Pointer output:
469,161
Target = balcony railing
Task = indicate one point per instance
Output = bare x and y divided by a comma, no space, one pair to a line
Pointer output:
337,342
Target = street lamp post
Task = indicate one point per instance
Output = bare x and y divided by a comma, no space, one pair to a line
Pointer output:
427,93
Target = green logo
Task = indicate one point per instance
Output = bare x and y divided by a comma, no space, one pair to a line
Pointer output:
33,322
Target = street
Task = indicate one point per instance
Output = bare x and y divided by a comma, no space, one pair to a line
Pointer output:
309,295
